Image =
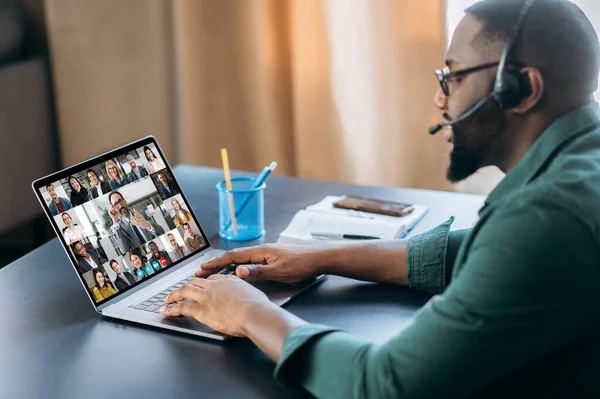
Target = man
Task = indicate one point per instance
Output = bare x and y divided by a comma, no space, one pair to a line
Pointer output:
87,260
192,241
98,188
157,254
167,186
137,172
124,279
516,312
131,227
58,204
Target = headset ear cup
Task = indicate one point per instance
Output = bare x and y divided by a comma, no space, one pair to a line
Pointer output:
512,90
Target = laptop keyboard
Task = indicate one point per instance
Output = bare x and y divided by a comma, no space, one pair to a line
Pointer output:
154,303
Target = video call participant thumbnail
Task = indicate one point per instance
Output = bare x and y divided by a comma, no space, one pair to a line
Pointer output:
137,172
161,257
131,227
154,163
87,260
79,194
117,178
177,251
103,288
58,204
72,232
181,215
140,264
124,278
193,241
167,186
98,188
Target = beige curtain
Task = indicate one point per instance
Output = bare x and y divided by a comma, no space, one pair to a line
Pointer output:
330,89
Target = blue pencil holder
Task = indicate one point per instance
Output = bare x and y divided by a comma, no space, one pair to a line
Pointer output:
249,207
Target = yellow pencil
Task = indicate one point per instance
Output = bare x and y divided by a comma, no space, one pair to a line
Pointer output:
225,160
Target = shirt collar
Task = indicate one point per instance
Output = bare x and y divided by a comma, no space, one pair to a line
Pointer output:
544,148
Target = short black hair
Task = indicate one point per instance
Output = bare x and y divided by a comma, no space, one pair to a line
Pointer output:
556,38
113,193
49,185
91,170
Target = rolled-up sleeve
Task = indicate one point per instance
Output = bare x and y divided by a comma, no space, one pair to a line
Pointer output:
431,256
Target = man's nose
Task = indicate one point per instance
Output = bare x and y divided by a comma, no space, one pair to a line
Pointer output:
440,100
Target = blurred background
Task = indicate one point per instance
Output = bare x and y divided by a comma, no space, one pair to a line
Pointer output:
331,89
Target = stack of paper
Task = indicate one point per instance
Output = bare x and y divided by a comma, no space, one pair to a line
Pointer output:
322,217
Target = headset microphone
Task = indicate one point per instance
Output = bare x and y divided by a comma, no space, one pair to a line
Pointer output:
436,128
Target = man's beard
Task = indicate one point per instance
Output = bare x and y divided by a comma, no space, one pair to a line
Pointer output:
474,141
125,212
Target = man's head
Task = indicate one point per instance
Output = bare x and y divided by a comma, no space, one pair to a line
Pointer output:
115,266
162,178
154,249
131,161
118,203
187,229
80,249
51,191
556,60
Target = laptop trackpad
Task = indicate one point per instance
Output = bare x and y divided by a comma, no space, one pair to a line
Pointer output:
189,323
279,293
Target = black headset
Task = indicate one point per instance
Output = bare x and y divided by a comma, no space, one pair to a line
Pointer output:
510,86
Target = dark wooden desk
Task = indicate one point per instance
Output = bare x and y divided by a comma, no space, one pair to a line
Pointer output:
54,345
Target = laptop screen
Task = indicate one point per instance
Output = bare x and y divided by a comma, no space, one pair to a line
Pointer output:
123,218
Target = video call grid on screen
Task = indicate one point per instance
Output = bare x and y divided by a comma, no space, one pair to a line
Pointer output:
122,218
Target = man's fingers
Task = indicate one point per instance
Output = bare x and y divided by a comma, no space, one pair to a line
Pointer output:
229,257
199,282
238,256
251,272
189,292
205,273
180,309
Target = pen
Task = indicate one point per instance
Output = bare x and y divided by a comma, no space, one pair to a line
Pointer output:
260,179
339,236
227,173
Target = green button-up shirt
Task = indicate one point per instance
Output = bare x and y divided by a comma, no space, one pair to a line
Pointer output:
516,311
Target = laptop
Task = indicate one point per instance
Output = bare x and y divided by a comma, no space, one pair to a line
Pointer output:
132,236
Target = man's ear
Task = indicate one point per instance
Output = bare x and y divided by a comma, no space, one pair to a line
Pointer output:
534,89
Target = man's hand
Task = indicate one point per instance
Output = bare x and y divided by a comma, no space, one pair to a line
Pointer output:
220,302
379,261
113,215
286,264
138,220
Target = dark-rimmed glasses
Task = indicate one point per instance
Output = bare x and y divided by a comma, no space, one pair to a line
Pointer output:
445,75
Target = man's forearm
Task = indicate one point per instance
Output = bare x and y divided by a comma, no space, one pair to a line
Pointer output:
267,326
377,260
